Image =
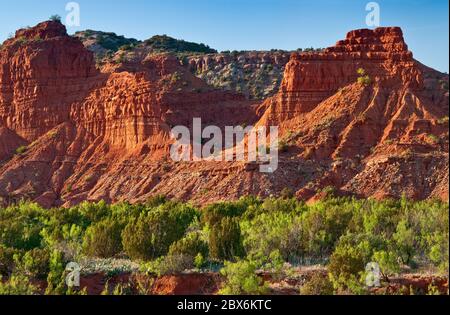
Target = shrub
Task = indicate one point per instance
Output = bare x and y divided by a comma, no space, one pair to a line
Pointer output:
55,18
20,232
443,120
17,285
56,277
225,241
361,72
346,268
151,235
241,278
7,263
191,245
103,239
168,265
34,263
286,193
388,263
21,150
433,138
365,80
319,284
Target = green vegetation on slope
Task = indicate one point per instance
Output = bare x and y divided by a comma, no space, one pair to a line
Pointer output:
165,43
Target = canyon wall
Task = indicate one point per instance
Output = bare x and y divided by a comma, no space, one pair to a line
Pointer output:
72,131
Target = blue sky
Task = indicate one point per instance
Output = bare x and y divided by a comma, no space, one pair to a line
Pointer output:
248,24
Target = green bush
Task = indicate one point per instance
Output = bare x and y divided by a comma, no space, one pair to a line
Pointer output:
151,235
241,278
168,265
103,239
7,263
17,285
225,240
34,264
346,269
21,150
55,18
319,284
191,245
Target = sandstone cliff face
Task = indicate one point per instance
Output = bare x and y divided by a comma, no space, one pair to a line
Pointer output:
42,71
391,125
89,134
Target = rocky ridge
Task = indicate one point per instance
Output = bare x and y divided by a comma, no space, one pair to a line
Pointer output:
88,133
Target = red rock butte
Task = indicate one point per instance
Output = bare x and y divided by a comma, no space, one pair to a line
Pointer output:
363,117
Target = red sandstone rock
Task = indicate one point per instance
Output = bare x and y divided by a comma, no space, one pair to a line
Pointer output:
95,135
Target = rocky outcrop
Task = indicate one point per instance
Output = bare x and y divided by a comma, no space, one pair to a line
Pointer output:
370,113
310,78
70,132
42,72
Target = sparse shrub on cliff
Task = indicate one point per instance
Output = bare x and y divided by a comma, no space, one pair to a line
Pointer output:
166,43
21,150
433,138
55,18
443,120
287,193
363,78
361,72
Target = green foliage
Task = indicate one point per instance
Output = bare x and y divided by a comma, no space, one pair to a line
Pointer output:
241,278
168,265
319,284
55,278
191,245
21,150
150,236
346,268
34,263
55,18
363,78
113,42
443,120
168,44
7,263
344,233
17,285
225,241
103,239
361,72
387,261
433,138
